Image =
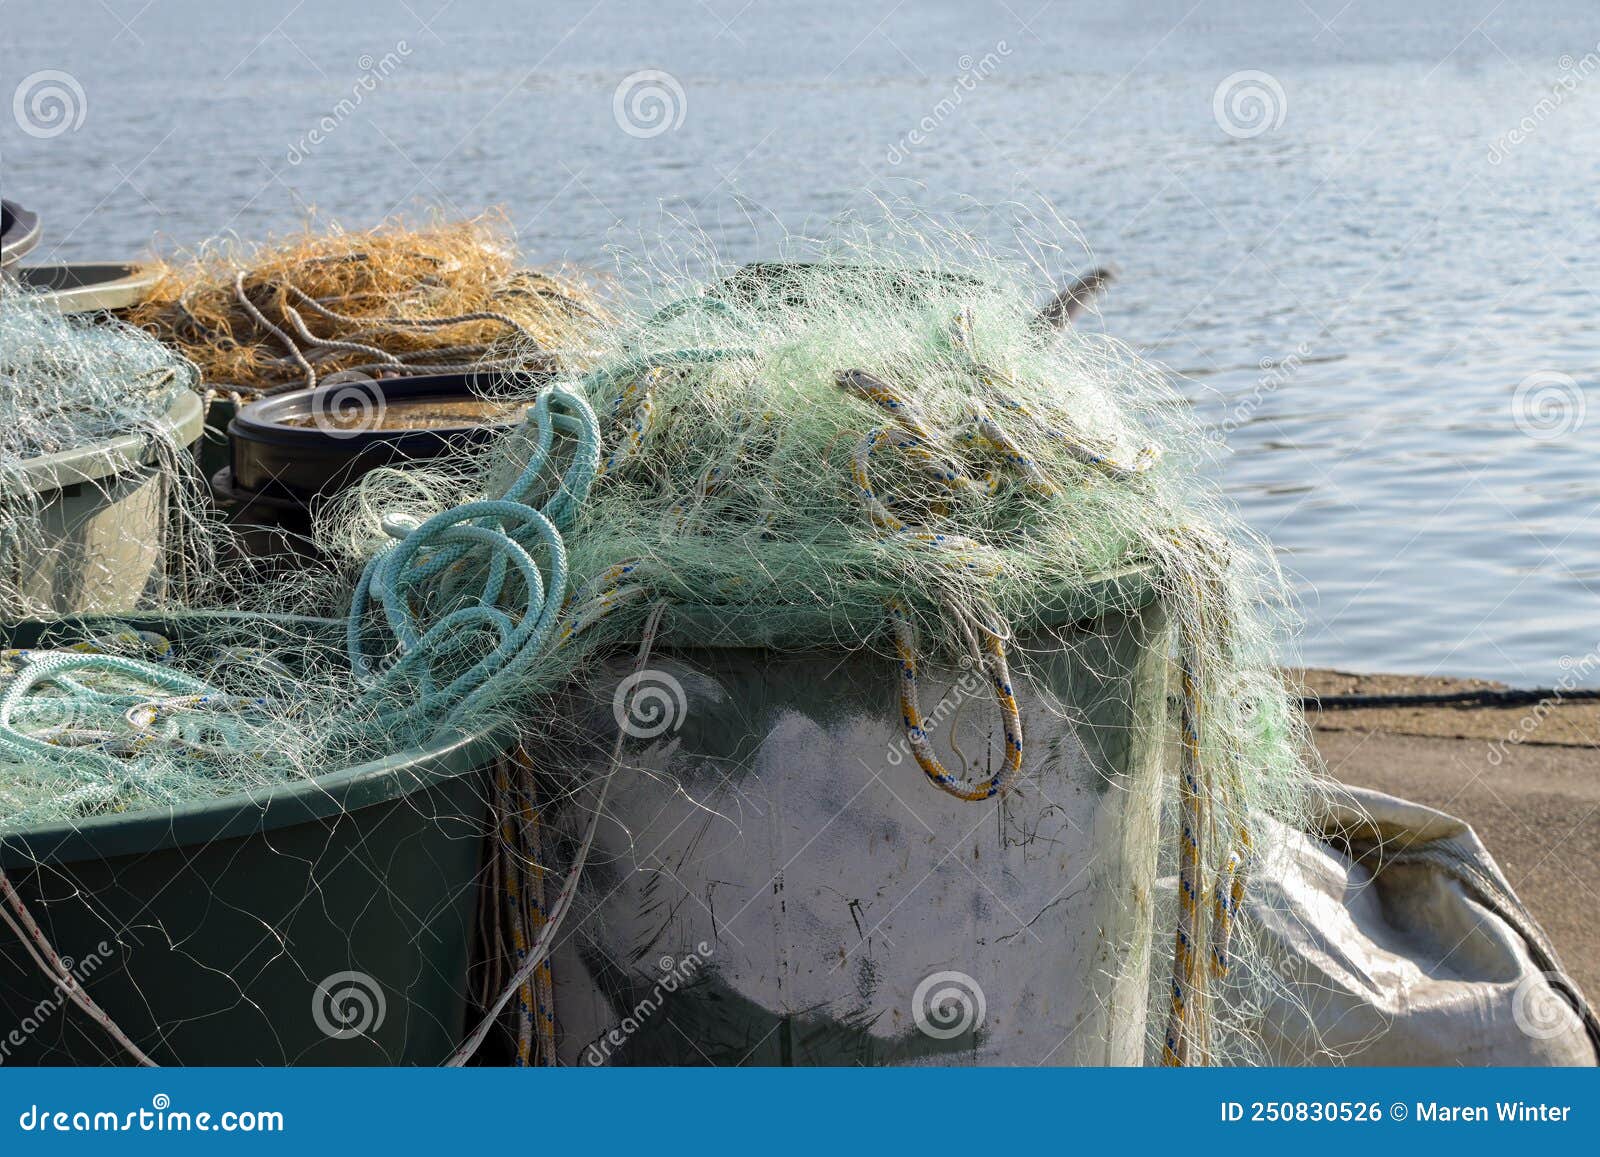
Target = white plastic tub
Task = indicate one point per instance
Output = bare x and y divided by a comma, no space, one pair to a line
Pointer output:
775,880
103,512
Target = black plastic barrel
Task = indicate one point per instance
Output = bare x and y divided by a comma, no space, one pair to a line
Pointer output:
292,451
258,929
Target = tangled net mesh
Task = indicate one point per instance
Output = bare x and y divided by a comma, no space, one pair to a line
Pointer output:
389,301
77,390
874,445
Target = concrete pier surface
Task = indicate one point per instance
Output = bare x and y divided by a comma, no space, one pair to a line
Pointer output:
1527,778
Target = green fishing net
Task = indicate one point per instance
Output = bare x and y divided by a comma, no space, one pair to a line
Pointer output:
872,445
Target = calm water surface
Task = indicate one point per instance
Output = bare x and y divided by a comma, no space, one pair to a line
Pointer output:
1353,294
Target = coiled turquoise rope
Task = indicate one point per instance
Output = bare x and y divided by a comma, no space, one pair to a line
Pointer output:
495,538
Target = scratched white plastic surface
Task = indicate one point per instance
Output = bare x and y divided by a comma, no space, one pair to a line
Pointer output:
814,878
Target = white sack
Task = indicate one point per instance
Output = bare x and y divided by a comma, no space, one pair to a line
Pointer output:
1399,942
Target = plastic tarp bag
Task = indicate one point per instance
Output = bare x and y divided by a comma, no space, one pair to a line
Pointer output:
1396,940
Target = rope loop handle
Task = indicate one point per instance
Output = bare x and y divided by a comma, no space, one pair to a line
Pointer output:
914,438
993,661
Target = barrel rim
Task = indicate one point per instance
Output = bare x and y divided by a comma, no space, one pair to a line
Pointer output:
690,627
23,236
185,415
89,286
261,420
306,462
241,814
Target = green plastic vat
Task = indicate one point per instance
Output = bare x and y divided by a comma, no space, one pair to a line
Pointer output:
240,931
